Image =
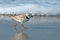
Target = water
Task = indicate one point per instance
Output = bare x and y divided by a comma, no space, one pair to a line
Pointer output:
39,28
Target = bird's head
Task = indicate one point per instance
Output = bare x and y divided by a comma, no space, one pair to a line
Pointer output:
29,15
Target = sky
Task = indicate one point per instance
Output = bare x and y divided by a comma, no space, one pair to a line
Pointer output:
30,6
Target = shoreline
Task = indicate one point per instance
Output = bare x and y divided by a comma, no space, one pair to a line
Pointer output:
33,15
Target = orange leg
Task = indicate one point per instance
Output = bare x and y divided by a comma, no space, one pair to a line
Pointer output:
24,27
15,25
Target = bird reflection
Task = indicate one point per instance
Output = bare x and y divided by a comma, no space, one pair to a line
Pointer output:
20,36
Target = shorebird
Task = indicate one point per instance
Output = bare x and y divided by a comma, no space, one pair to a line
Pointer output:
21,19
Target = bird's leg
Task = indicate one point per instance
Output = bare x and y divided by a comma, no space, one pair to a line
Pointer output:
15,25
24,27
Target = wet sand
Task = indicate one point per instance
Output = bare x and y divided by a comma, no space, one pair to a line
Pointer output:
40,28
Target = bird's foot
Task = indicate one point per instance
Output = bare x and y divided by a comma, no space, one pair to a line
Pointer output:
25,28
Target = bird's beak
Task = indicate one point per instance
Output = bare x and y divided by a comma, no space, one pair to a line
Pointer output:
31,16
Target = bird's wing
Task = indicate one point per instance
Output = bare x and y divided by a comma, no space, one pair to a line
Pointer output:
19,17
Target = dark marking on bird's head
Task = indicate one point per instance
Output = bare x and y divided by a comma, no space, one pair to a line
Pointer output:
29,15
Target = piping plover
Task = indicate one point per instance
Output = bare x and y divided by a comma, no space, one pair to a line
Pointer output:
22,18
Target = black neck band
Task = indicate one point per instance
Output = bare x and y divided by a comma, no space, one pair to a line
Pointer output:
27,17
